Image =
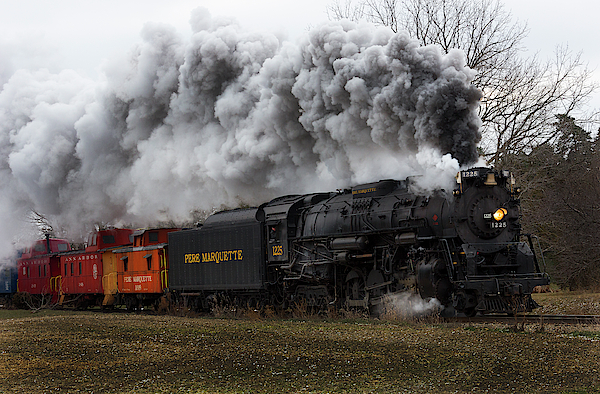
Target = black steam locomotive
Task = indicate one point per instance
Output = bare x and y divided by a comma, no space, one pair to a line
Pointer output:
354,247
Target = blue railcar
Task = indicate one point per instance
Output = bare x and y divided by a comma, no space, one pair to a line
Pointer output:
8,284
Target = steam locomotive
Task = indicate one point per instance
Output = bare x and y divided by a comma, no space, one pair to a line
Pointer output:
353,248
356,247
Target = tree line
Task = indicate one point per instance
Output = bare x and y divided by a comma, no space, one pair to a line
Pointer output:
534,119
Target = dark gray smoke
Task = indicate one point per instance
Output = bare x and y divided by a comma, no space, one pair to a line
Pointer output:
230,117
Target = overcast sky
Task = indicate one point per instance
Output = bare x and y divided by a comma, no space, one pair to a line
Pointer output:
81,35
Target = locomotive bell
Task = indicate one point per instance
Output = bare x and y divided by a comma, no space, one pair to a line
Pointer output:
491,180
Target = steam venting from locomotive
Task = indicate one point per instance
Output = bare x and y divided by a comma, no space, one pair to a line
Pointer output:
407,306
230,117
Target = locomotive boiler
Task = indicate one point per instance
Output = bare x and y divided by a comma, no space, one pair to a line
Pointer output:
356,247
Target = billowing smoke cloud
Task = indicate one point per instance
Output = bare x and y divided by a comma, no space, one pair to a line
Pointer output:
230,117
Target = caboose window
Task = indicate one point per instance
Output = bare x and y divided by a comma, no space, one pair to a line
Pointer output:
153,236
108,239
71,268
45,270
80,268
63,247
66,269
149,261
39,248
39,270
125,263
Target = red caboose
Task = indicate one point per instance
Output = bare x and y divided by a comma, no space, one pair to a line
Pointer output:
82,270
39,270
141,270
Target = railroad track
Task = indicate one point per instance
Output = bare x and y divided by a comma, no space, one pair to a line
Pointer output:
541,319
517,319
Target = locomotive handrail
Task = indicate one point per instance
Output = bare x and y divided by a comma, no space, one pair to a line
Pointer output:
447,257
530,238
355,233
300,252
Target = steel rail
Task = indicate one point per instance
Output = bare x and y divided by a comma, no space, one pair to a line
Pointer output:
541,319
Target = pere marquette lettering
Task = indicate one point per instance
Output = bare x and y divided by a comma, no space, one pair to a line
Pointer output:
216,257
363,191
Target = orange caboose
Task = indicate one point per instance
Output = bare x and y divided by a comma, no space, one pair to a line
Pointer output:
137,275
39,271
82,270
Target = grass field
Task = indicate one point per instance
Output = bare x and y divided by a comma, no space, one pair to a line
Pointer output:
91,352
568,303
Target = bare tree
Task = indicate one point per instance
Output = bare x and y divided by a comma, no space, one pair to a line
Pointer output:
346,10
520,96
560,201
41,222
520,102
379,12
481,28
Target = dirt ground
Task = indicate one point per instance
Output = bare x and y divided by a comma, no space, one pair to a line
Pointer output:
93,352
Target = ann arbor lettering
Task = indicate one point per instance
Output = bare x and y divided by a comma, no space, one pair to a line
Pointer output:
216,257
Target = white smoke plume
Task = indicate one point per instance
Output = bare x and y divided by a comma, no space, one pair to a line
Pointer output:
409,306
230,117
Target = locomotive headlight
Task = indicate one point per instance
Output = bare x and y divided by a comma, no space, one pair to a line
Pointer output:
499,214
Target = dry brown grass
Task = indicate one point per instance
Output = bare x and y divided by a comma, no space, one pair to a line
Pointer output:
124,353
71,352
568,303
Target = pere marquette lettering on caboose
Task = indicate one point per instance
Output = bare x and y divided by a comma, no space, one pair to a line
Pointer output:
214,257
